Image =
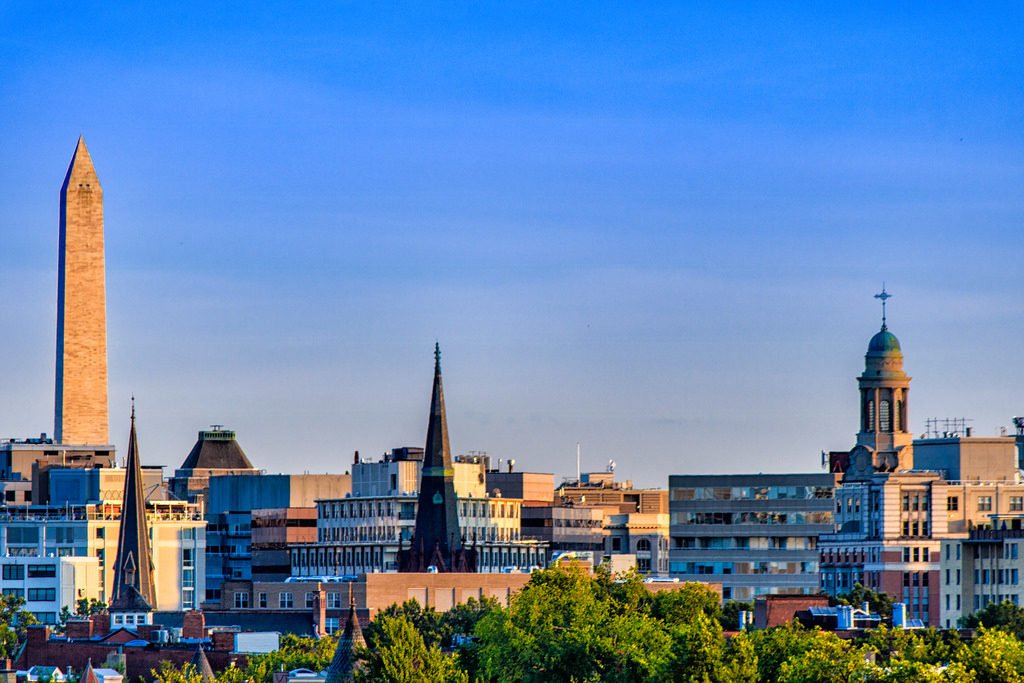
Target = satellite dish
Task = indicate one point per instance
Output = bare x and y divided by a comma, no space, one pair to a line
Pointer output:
611,465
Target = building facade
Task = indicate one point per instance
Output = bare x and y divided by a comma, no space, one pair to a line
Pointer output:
755,534
900,498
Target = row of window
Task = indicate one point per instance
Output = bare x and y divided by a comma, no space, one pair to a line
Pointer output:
17,572
751,493
751,517
34,594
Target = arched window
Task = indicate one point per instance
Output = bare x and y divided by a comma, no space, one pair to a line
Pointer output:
897,417
884,417
643,545
869,416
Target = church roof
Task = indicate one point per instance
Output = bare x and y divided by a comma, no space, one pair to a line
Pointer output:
344,664
133,567
883,342
216,449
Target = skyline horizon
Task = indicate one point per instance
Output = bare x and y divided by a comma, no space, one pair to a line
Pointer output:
655,231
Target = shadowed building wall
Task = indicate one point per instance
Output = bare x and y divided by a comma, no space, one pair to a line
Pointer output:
80,412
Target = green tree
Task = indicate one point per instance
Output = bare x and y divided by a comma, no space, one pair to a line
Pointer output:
88,606
1002,615
730,618
428,622
995,656
402,656
879,603
168,673
773,647
294,653
829,660
13,614
568,626
8,641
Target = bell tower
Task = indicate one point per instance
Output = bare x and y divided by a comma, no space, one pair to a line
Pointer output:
883,443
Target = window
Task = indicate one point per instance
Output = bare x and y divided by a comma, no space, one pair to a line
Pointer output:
14,592
884,419
42,571
984,503
906,554
1016,503
262,600
310,599
906,501
917,554
42,594
906,528
334,600
14,572
953,503
241,601
285,601
924,554
917,502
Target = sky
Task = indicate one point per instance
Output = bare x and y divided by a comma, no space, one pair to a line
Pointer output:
653,230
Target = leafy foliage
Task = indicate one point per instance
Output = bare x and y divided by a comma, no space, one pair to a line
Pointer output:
880,603
401,655
1004,615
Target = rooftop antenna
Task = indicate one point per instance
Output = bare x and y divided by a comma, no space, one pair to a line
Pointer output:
578,475
883,296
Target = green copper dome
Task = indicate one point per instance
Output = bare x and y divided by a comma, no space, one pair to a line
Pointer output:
883,341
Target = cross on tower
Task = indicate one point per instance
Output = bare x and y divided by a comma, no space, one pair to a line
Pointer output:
883,296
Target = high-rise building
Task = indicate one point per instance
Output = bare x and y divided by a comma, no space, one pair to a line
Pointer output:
80,411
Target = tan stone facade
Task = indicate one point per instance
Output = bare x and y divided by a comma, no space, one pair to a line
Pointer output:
81,391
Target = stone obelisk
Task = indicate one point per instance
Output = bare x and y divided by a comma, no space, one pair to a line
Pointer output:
80,414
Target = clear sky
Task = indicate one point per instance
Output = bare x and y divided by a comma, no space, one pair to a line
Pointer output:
653,230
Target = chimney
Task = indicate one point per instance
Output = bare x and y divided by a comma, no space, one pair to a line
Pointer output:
193,625
355,458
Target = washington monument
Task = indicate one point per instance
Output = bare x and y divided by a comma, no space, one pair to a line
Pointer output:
80,413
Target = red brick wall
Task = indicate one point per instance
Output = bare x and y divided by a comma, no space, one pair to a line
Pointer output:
140,661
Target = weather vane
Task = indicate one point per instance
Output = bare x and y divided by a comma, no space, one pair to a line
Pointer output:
883,296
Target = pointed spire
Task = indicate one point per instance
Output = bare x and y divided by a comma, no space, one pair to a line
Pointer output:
437,522
202,665
81,170
344,664
89,675
133,568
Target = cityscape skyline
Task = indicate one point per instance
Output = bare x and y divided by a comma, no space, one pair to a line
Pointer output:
629,231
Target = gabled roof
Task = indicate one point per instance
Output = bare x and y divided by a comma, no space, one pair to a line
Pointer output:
89,676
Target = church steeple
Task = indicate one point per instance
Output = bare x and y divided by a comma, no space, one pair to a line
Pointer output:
437,538
883,443
133,568
344,664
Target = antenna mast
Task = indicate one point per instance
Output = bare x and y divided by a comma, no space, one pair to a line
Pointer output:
578,475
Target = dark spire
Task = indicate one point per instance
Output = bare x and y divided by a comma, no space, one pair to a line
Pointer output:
202,665
437,523
344,664
133,568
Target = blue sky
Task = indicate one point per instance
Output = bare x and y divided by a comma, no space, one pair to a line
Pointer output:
652,230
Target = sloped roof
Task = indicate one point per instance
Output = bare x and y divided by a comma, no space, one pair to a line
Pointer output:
202,665
344,664
216,450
